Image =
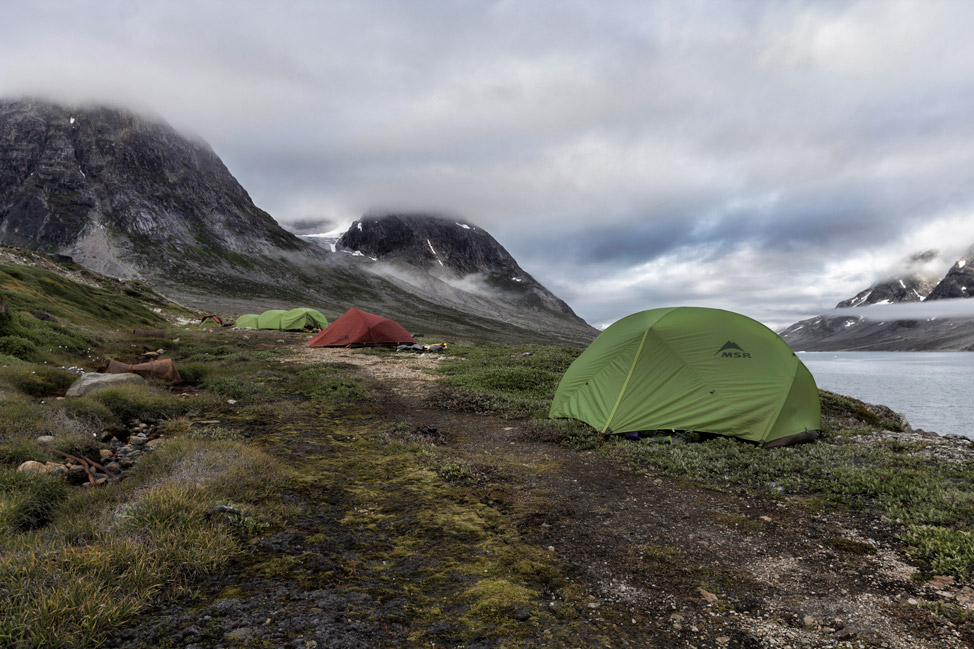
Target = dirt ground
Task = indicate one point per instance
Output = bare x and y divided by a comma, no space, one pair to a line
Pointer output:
663,563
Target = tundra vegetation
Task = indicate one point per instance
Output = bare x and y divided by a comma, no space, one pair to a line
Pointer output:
253,440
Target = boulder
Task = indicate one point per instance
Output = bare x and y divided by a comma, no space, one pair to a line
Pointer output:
32,466
94,381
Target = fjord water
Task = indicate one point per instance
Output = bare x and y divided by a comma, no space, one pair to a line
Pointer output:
933,389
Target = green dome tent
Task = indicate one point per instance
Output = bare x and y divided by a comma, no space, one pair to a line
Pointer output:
298,319
693,369
270,319
301,318
246,321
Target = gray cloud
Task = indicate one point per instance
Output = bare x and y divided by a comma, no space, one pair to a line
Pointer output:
955,308
768,157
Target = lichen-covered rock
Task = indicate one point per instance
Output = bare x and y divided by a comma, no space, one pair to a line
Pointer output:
94,381
32,466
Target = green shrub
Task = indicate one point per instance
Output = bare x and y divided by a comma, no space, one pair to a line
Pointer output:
21,416
28,500
87,410
327,382
338,391
215,433
36,380
240,390
195,373
128,402
17,449
513,382
18,348
946,551
5,317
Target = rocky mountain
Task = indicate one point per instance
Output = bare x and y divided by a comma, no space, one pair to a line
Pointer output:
959,280
892,291
113,190
850,332
452,250
128,196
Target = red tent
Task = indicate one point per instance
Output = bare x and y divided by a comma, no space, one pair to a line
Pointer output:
356,327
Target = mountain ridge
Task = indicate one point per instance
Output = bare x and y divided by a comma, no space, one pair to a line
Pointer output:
128,196
851,332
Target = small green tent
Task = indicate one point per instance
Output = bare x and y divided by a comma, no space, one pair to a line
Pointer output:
246,321
270,319
692,369
301,318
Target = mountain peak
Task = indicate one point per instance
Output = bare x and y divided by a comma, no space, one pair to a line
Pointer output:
447,247
107,186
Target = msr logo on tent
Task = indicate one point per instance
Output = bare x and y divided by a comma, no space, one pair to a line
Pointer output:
732,350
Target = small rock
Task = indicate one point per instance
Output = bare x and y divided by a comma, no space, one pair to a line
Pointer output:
723,639
114,467
242,634
767,519
846,633
57,469
45,439
232,401
940,581
594,605
808,620
709,597
106,454
152,443
912,602
95,381
32,466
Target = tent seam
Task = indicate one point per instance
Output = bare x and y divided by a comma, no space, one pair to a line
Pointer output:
625,385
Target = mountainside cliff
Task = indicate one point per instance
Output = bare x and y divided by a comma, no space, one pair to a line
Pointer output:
128,196
108,188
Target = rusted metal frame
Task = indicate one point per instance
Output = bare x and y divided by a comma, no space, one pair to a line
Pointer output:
87,464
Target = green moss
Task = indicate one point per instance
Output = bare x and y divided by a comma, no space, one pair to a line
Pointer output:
494,602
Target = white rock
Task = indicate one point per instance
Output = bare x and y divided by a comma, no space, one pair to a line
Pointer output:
95,381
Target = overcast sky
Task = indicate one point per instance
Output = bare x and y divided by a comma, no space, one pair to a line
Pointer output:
771,158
